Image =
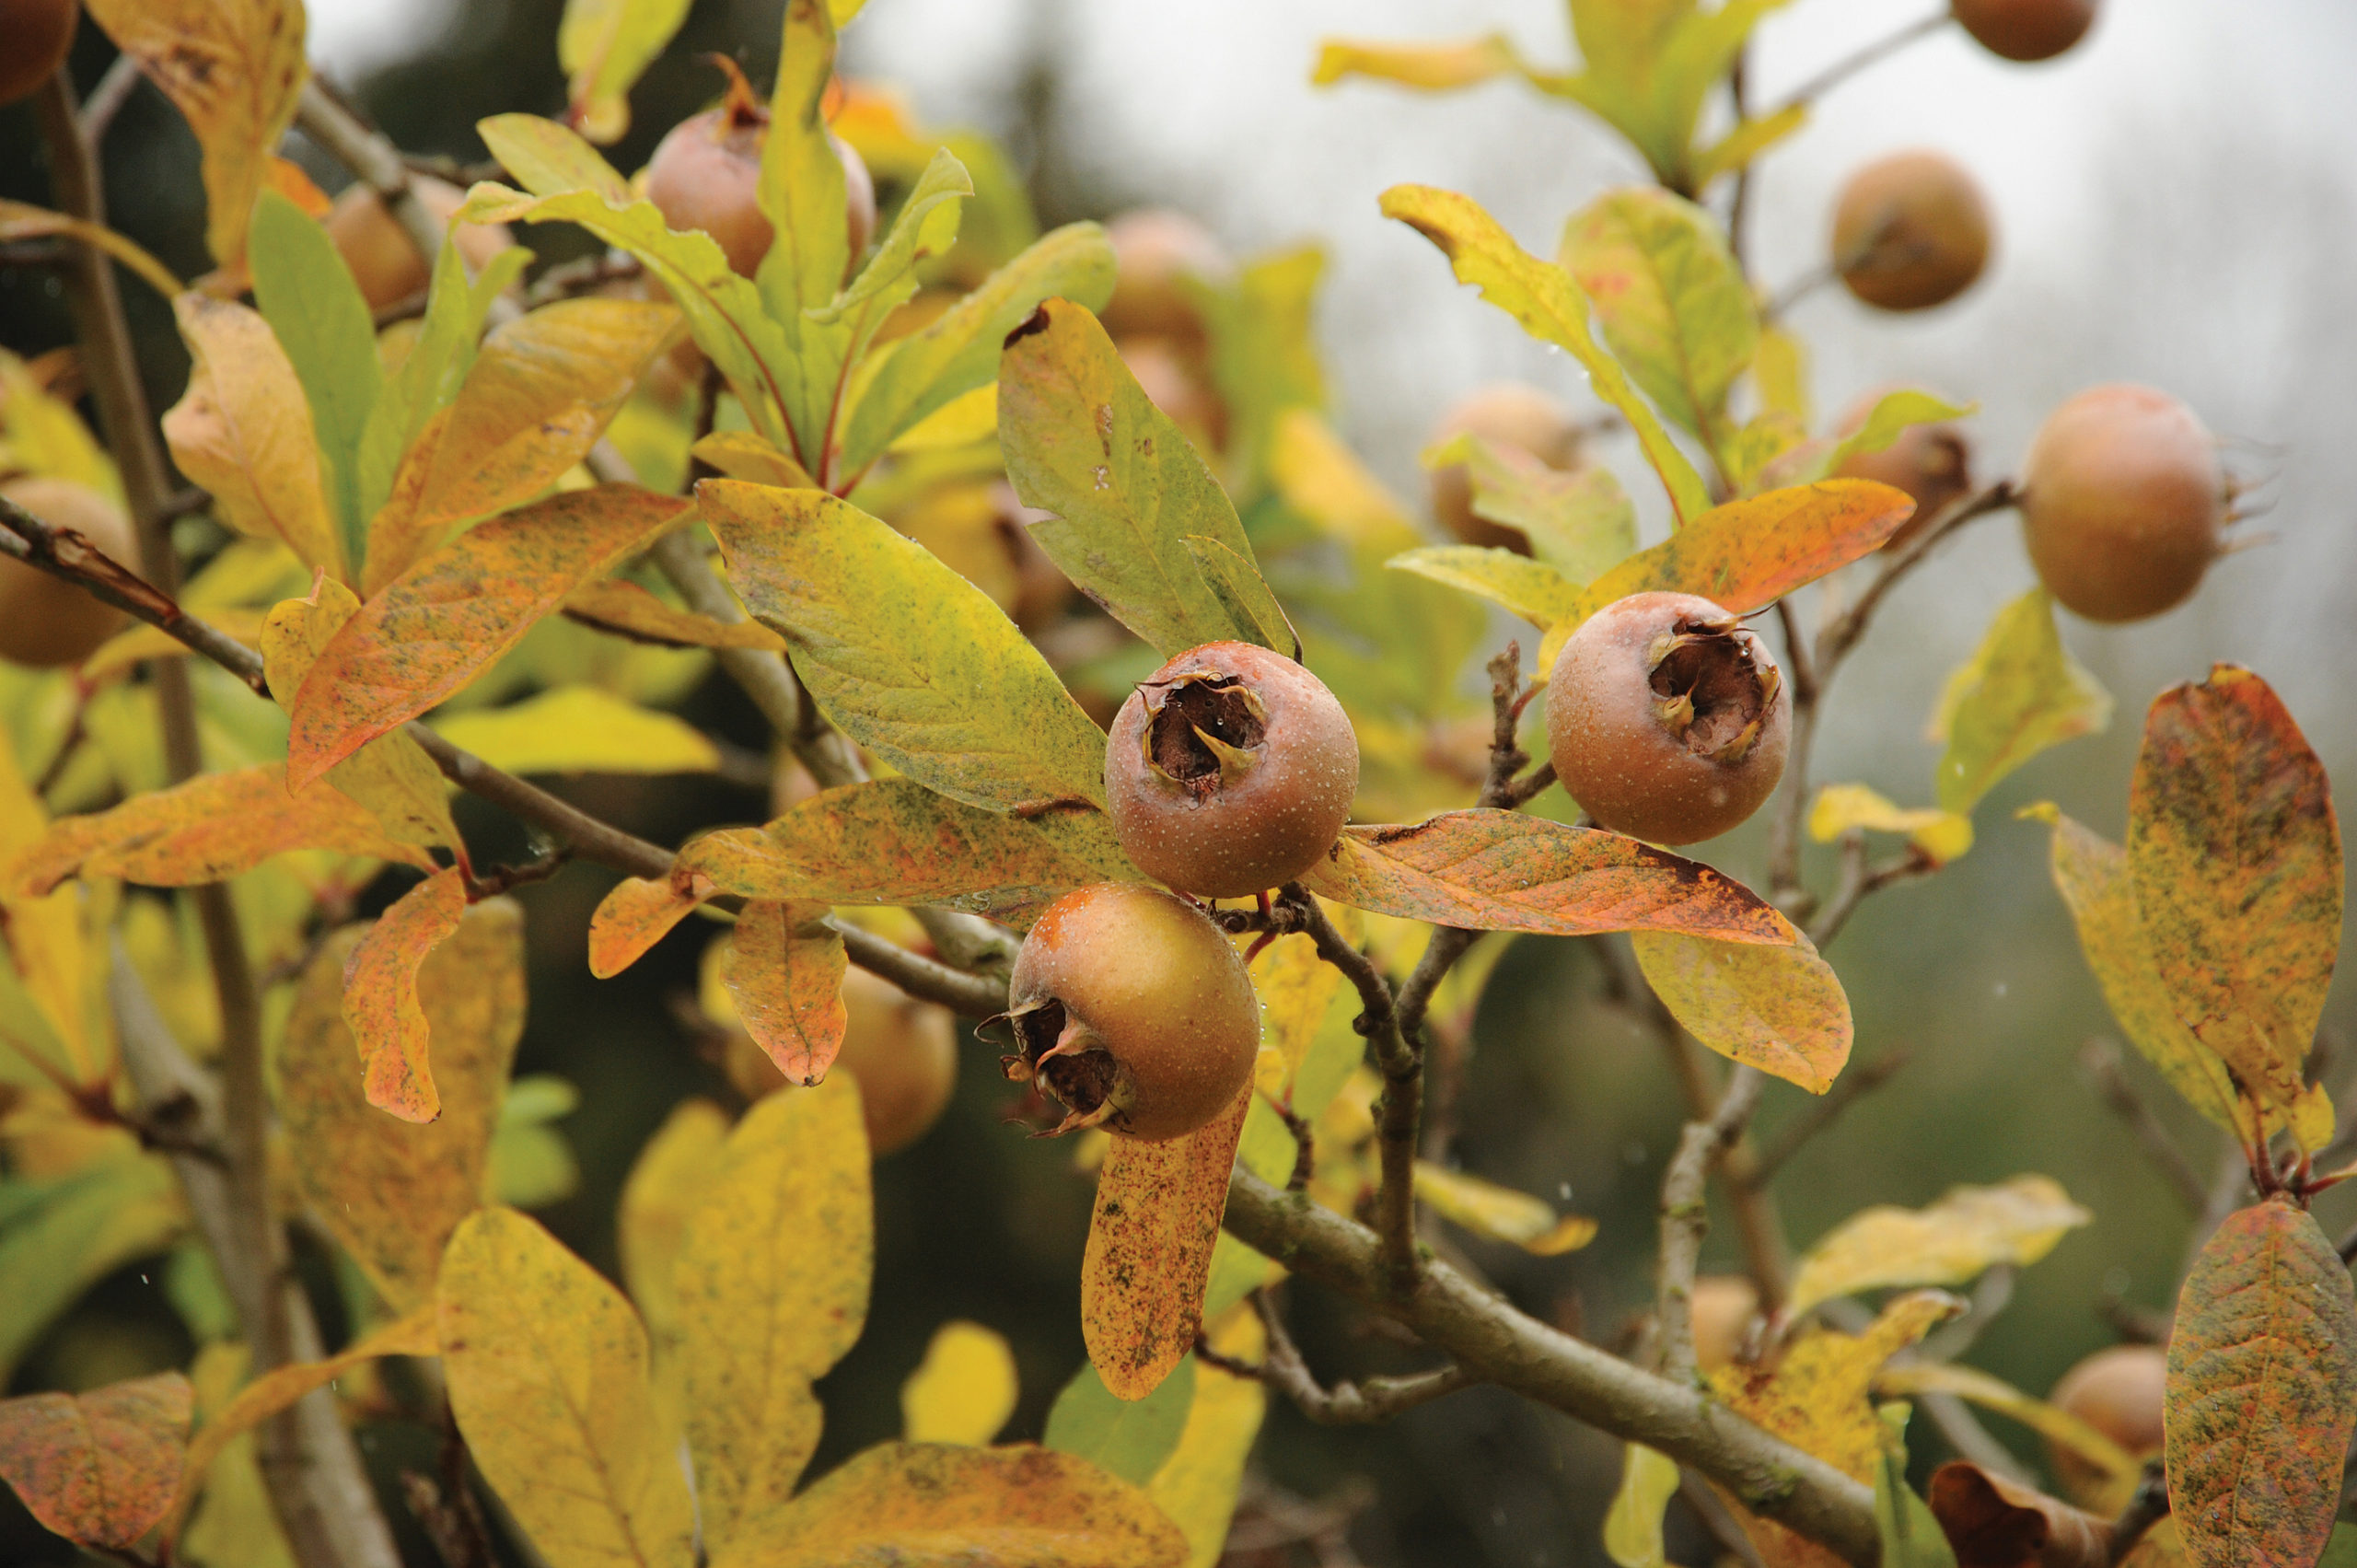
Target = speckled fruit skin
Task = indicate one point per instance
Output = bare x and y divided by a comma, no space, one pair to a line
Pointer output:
34,38
1933,463
1517,418
1257,830
383,258
902,1051
2118,1392
1162,990
45,621
2123,502
706,174
1911,231
1155,251
1618,759
2026,30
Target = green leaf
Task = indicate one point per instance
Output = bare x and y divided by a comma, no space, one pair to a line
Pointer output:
802,193
925,226
1532,589
1747,142
912,661
1083,441
1649,65
1128,1437
1234,578
603,47
60,1237
308,296
2019,693
1889,419
1551,308
1911,1536
1579,520
2341,1551
1672,299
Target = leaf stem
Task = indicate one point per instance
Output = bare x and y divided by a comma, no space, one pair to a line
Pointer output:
1841,70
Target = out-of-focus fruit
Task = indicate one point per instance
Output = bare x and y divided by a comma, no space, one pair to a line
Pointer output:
1156,254
34,38
384,260
2124,500
1723,1308
1932,462
1911,231
706,174
2118,1392
1524,424
46,621
2026,30
1173,384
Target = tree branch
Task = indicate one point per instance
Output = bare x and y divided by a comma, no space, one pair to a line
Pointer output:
1862,1079
1841,70
2100,1061
1686,1214
1346,1403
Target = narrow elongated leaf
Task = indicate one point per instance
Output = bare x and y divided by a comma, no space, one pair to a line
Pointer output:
21,220
963,1390
45,939
1128,490
1970,1231
581,729
786,974
801,192
435,367
772,1284
1889,419
1675,306
1781,1009
1428,67
1149,1252
547,1372
1501,1213
2020,693
2234,853
380,995
434,628
1633,1535
2262,1392
1912,1536
1532,589
624,607
314,309
1198,1485
1579,521
1130,1438
390,1190
603,47
639,912
1542,296
911,660
99,1468
2058,1426
1502,871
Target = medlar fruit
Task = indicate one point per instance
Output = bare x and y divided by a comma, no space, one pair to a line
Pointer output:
2026,30
1229,770
706,174
2118,1392
1172,383
1524,424
1722,1308
1157,253
1933,463
38,33
1911,231
1134,1010
1666,719
383,258
2123,502
46,621
902,1051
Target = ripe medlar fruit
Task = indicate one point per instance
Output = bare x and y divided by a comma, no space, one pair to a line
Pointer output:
38,33
1523,423
1723,1309
706,174
1666,719
2123,502
1134,1010
902,1051
1229,770
2026,30
1156,254
46,621
2117,1391
383,258
1933,463
1911,231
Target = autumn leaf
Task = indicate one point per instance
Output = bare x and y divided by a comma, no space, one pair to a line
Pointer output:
772,1286
603,46
1501,1214
1781,1009
380,995
1891,418
580,728
1632,1532
639,912
1579,520
2064,1431
1968,1231
22,220
2262,1390
2020,693
1149,1252
99,1468
1942,836
666,1186
1198,1484
786,974
963,1390
434,628
390,1190
546,1365
45,939
629,610
1318,476
1428,67
1996,1523
1532,589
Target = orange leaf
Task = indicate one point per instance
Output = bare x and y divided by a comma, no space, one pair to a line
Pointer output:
2235,857
639,912
436,625
1149,1253
213,827
1501,871
288,179
99,1468
786,974
629,610
380,999
2262,1392
1996,1523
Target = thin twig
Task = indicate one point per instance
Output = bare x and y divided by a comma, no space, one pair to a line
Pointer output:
1841,70
1862,1079
348,139
1346,1403
2100,1060
1861,881
106,99
1686,1214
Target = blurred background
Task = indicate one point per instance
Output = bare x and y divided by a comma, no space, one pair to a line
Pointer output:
2175,204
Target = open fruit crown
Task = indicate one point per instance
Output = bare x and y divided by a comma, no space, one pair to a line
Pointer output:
1714,686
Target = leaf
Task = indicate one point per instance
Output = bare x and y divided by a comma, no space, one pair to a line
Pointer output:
547,1371
1501,871
1942,836
20,220
603,47
1129,1438
786,974
2234,854
1501,1214
380,995
2064,1431
581,729
1911,1534
1970,1231
2020,693
1551,308
1322,479
1149,1252
213,827
1532,589
801,192
771,1284
2262,1390
1781,1009
1889,419
59,1238
637,914
909,658
539,394
243,432
1429,68
741,454
1633,1533
1746,142
963,1390
390,1190
99,1467
666,1186
234,70
1674,304
624,607
1578,521
1128,490
1648,68
1198,1485
314,309
1996,1523
927,1505
433,629
436,367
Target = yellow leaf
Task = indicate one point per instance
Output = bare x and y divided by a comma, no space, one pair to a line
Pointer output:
2020,693
1943,835
581,729
234,1525
666,1186
1632,1525
1197,1485
603,46
20,221
613,605
547,1372
1781,1009
45,436
1323,480
1501,1213
635,915
1971,1229
126,650
1296,987
742,454
2057,1425
382,1001
964,420
964,1389
772,1286
1429,68
1532,589
44,934
785,975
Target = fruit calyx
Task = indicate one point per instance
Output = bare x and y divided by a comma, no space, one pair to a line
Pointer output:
1205,730
1714,687
741,108
1069,1060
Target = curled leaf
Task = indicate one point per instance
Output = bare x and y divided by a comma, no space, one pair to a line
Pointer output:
786,974
381,994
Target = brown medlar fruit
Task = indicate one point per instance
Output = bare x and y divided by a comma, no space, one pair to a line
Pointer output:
903,1053
2118,1392
37,35
1157,252
1525,425
383,258
46,621
1911,231
1666,719
706,174
1134,1010
2025,29
2123,502
1933,463
1229,770
1722,1308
